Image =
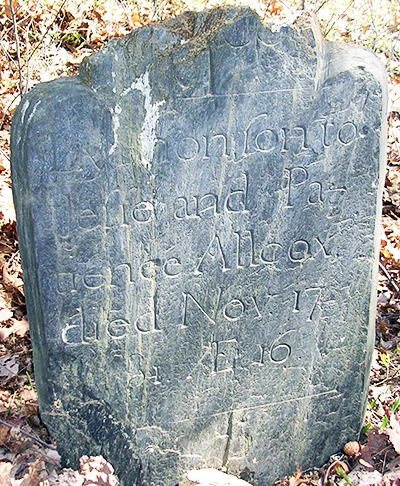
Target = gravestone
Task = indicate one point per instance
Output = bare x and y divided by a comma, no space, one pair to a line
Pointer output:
198,214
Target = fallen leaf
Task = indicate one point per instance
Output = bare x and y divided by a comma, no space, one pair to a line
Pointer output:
6,204
8,366
8,9
67,478
4,432
295,480
5,314
12,282
5,468
28,394
362,478
394,432
98,471
394,465
376,443
20,328
36,472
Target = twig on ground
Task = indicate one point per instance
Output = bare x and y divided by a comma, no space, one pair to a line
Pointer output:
6,110
47,31
322,4
389,277
49,446
5,155
14,21
344,11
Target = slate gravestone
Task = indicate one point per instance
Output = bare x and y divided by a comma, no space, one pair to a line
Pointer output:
198,220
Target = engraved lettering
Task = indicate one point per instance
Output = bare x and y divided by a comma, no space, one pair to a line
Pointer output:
269,253
187,148
93,280
117,329
66,282
214,251
123,272
236,202
299,251
280,352
245,243
259,136
181,211
238,248
296,176
256,307
88,220
215,146
326,254
260,360
297,137
148,269
136,375
172,267
233,310
315,195
224,356
210,316
206,203
296,301
143,212
155,376
76,330
266,141
316,292
327,135
347,133
147,323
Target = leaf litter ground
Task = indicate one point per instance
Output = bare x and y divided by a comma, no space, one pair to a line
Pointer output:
52,39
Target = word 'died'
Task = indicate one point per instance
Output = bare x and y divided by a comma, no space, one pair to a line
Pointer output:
260,136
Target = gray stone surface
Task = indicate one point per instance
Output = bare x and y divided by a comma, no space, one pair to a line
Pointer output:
198,217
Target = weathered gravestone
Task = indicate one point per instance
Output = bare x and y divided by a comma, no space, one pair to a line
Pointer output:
198,218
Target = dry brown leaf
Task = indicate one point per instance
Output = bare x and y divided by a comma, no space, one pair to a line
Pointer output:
36,473
394,432
8,366
295,480
98,471
5,314
6,204
8,9
67,478
28,394
4,431
12,281
5,468
20,328
51,456
376,443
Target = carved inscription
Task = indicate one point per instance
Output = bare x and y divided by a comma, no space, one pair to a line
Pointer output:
233,242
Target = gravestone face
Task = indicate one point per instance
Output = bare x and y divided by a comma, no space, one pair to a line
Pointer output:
197,213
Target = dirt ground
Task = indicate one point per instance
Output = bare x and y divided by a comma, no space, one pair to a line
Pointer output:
42,40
